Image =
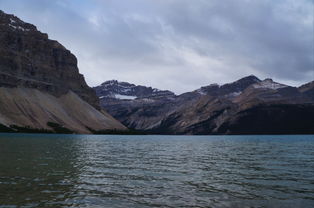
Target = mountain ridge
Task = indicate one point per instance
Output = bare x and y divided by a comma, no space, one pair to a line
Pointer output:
209,109
114,89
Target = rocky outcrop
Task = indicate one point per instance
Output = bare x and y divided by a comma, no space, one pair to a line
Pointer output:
40,83
246,106
29,59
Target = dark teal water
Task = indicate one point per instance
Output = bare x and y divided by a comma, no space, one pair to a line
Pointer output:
156,171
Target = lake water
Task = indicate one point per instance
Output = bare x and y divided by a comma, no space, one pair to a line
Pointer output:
156,171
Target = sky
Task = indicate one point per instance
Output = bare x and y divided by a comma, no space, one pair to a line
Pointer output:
179,45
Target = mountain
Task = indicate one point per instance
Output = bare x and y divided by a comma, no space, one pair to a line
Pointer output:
137,106
126,91
231,89
40,83
246,106
308,90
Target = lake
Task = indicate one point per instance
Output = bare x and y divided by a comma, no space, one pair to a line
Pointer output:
156,171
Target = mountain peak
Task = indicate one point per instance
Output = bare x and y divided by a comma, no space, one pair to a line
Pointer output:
252,78
127,91
110,82
230,88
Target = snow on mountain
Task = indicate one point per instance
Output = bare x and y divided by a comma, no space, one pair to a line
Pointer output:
125,97
16,26
231,89
127,91
211,109
269,84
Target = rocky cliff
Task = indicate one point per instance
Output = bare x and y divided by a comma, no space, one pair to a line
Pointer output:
246,106
40,82
29,59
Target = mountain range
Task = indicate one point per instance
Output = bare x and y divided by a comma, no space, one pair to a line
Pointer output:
41,90
246,106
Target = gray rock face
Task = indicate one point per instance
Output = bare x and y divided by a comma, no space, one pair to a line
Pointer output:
40,84
226,109
29,59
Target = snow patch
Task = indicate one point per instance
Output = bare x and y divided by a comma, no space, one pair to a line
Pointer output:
125,89
19,28
118,96
147,100
201,92
234,94
269,84
12,21
125,97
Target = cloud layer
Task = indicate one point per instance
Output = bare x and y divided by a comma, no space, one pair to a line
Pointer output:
179,44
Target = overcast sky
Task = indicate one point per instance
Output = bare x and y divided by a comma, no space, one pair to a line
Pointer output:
179,44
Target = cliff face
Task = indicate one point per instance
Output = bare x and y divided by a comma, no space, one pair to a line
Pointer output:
40,83
29,59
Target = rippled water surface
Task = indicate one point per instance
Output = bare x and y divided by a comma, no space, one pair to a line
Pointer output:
156,171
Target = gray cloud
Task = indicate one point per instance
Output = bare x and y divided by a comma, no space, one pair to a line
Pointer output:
179,44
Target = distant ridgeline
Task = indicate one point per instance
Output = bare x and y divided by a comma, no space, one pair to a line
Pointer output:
247,106
41,89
